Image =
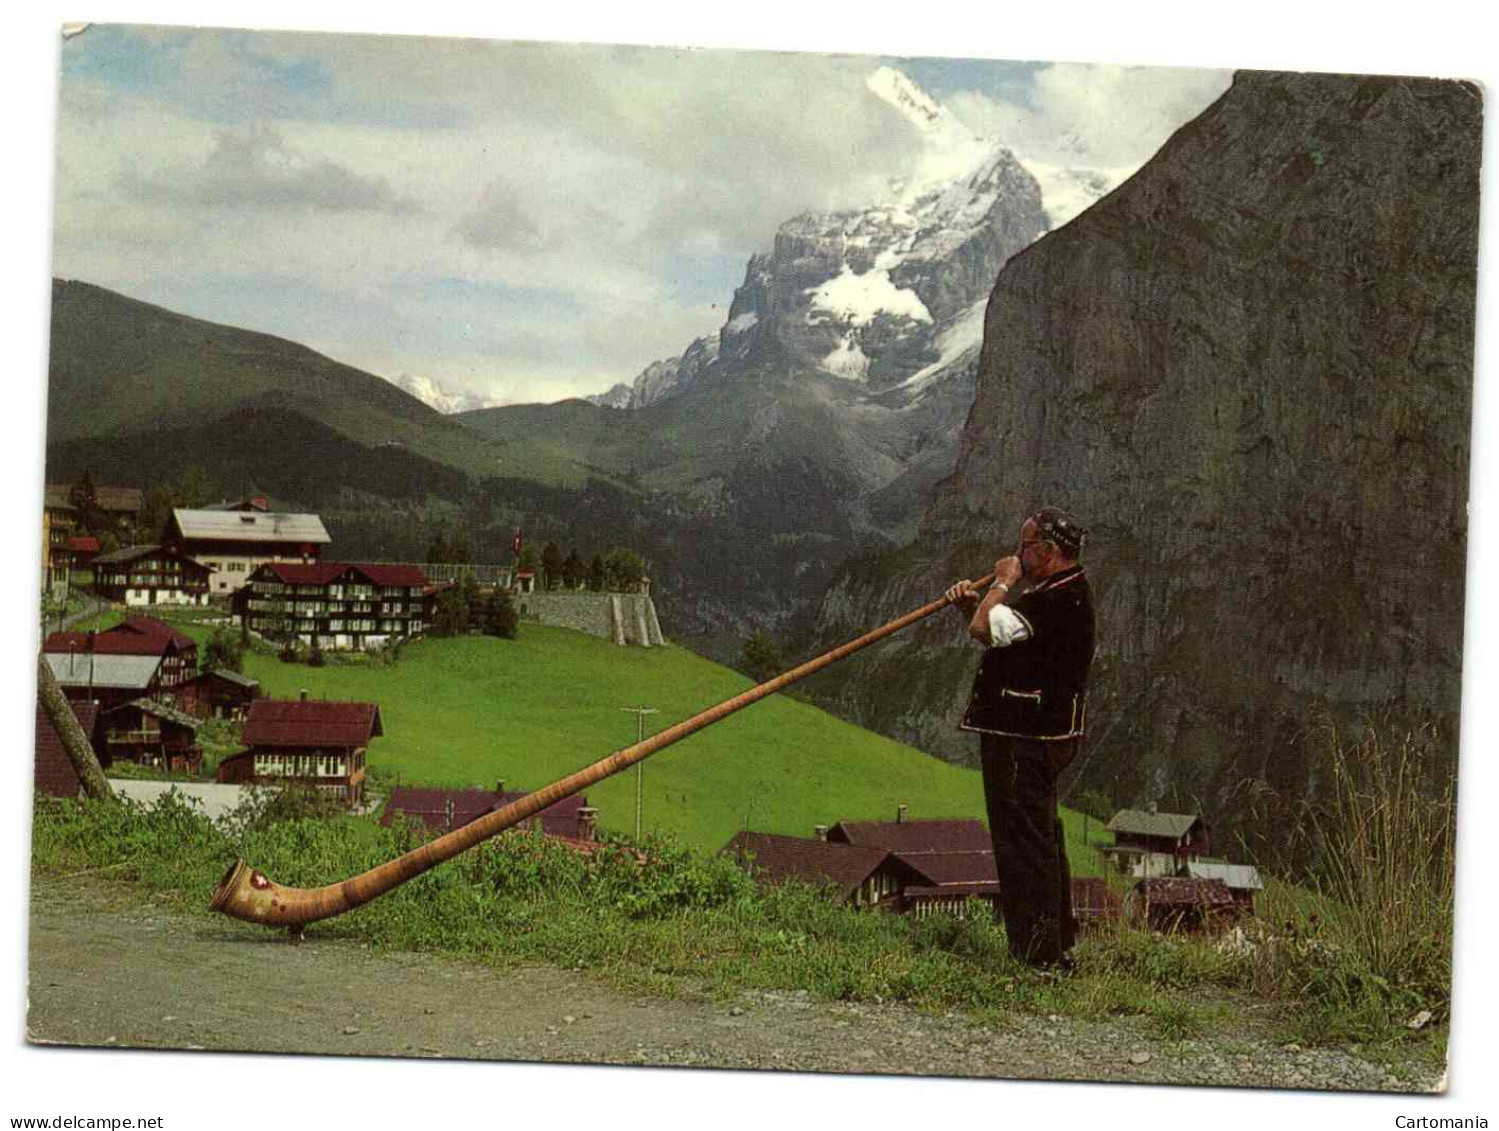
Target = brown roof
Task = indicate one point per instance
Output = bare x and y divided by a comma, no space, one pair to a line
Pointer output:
960,834
127,499
321,573
943,868
845,866
54,769
1176,891
430,805
152,628
105,644
311,722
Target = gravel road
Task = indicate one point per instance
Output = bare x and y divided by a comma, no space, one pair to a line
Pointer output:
188,981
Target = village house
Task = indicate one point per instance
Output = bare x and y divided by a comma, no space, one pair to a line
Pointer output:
106,678
1179,904
54,773
150,733
142,576
120,507
951,860
1149,843
59,518
861,876
82,550
232,543
1242,880
219,694
310,742
136,636
442,810
336,605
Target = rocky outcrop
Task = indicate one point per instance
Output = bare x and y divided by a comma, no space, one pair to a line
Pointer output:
1249,370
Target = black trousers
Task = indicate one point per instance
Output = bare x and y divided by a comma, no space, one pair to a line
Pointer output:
1030,849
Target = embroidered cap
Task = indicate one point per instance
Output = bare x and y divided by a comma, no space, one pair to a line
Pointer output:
1056,525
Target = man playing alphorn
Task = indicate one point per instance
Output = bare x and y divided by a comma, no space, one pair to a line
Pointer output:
1029,708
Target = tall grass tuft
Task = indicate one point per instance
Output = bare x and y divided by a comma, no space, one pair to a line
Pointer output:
1388,833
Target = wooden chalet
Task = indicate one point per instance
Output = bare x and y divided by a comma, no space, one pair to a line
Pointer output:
337,605
232,544
54,773
59,520
1148,843
142,576
860,875
150,733
1242,880
106,678
121,507
1179,904
442,810
951,860
311,742
218,693
136,636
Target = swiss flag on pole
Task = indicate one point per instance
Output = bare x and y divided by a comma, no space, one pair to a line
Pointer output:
515,543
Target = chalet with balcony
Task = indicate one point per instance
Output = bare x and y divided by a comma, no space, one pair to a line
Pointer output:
150,733
952,859
233,543
1149,843
105,678
442,810
54,772
59,520
143,576
339,606
309,742
136,636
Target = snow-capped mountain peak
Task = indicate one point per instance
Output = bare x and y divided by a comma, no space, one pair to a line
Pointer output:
434,394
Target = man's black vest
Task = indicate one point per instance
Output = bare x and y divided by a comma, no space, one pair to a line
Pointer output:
1037,688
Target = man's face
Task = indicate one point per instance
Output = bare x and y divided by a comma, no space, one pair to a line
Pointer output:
1034,553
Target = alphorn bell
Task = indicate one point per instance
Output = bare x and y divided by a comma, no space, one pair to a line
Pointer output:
245,893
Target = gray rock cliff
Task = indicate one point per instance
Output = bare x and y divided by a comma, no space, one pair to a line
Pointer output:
1249,370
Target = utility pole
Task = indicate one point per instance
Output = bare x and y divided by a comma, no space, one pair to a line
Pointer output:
640,714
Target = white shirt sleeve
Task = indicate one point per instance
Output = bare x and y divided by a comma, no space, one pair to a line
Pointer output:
1007,627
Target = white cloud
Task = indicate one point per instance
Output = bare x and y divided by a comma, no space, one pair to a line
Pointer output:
1094,115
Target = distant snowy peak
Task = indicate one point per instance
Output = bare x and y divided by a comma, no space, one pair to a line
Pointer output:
1068,191
951,150
435,395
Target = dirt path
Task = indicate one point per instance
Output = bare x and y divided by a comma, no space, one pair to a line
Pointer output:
108,969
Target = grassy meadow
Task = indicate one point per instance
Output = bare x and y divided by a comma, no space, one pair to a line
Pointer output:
472,710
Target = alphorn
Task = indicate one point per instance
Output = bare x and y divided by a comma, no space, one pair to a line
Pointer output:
246,894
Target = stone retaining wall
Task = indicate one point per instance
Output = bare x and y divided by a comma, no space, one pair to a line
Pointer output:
625,618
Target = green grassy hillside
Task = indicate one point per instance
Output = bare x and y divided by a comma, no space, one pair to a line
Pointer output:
473,710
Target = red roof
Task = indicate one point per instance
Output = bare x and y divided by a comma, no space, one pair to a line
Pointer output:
961,834
105,644
151,627
321,573
311,722
54,769
845,866
943,868
83,544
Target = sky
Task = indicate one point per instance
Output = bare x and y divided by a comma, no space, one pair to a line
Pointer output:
516,221
232,1092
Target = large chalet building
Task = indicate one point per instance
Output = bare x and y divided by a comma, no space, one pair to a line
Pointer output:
233,543
310,742
336,605
136,636
59,519
143,576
